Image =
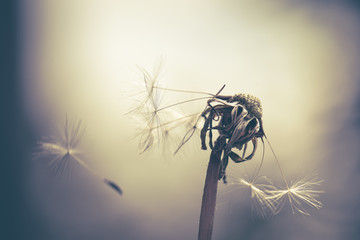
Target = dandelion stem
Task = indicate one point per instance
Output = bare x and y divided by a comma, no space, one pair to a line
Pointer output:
210,190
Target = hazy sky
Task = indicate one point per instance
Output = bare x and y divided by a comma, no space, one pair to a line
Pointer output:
300,58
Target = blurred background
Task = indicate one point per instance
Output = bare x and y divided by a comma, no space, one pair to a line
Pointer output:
79,59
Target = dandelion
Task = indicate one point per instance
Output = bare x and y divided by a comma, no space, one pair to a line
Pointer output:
63,148
237,125
237,120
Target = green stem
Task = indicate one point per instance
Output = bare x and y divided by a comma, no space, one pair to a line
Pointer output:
210,189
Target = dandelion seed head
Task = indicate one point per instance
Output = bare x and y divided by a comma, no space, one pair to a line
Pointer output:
252,103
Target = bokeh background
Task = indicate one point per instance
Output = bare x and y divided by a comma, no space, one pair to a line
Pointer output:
79,58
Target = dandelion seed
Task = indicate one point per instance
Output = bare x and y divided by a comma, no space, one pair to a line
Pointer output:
260,187
148,111
164,133
113,185
157,121
298,194
64,148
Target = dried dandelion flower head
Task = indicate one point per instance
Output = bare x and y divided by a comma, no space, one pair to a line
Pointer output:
238,118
